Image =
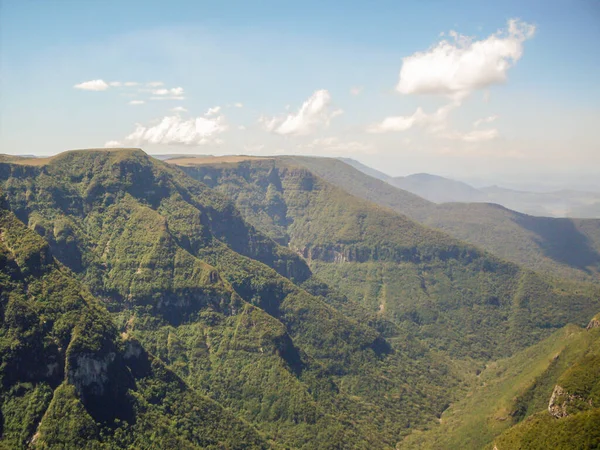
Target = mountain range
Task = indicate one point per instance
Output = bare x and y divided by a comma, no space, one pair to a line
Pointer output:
283,302
437,189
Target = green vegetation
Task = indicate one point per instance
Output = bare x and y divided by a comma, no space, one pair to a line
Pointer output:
68,380
454,297
571,417
567,248
251,304
221,306
506,392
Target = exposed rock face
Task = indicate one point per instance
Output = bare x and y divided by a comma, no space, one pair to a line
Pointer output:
91,371
557,406
561,401
594,323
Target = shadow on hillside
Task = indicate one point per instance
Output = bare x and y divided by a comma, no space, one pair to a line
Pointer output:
560,240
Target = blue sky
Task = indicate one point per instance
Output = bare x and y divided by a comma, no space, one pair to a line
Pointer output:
378,81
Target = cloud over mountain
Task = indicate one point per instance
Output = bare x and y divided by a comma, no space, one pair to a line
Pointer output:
459,66
314,113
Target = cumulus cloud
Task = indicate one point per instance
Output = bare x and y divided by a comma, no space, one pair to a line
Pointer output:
434,122
113,144
356,90
173,130
173,92
137,102
92,85
101,85
461,65
155,84
179,109
484,120
313,114
238,105
334,145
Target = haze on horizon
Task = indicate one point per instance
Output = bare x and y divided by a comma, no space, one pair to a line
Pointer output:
500,93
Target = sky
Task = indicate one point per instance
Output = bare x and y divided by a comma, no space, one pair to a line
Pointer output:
471,89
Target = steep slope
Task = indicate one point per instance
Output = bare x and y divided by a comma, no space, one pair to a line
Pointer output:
568,248
220,303
453,296
511,393
570,415
67,378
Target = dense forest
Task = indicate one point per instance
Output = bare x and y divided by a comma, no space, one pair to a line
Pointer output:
262,303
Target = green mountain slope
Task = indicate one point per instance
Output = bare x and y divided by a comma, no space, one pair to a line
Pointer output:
569,418
453,296
69,380
511,394
568,248
237,317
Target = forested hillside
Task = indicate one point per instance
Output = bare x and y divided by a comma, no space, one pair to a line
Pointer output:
567,248
221,306
455,297
242,304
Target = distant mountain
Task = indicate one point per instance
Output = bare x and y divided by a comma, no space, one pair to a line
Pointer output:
438,189
366,169
564,203
562,247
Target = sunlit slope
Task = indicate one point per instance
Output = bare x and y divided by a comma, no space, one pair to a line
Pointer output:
454,296
225,307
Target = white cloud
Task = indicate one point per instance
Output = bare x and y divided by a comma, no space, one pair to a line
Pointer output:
173,130
166,94
137,102
93,85
179,109
175,92
238,105
212,111
356,90
484,120
167,97
474,136
155,84
434,122
313,114
113,144
241,127
458,67
333,145
115,84
130,83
